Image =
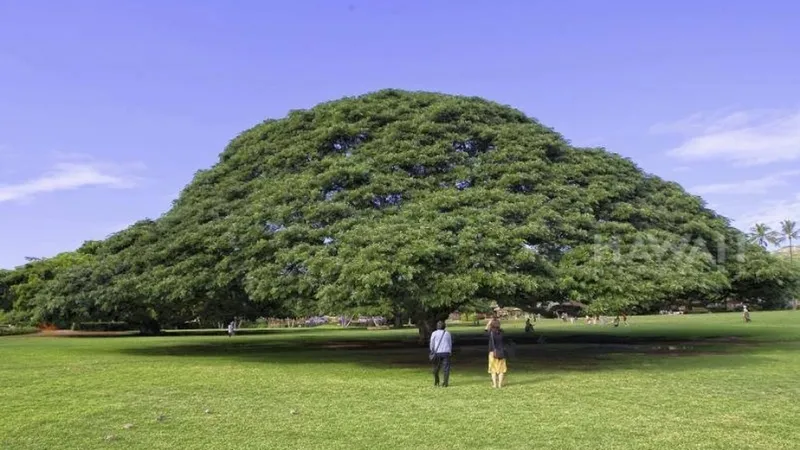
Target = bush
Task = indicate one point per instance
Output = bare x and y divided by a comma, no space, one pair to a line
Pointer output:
100,326
193,325
244,324
717,307
11,330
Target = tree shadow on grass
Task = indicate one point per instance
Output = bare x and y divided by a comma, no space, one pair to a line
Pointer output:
176,333
553,351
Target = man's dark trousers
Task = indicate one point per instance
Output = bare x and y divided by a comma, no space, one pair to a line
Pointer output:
442,361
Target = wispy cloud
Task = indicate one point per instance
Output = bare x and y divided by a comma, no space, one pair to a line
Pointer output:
741,137
771,213
763,185
68,176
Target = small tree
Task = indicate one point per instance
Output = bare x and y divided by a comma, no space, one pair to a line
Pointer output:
763,235
789,232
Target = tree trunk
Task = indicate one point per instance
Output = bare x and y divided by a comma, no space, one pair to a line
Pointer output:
425,327
149,327
426,323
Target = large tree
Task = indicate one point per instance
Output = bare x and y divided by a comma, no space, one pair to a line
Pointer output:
25,290
6,302
412,204
762,278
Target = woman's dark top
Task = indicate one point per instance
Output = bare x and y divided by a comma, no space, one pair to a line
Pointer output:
496,341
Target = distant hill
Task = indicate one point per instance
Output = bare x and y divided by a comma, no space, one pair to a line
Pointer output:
785,251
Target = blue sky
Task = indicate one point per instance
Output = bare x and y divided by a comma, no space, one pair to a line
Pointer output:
107,108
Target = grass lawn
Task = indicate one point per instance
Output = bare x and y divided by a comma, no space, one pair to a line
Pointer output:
704,381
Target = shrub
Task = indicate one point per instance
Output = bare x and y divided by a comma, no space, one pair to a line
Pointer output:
8,330
100,326
245,324
191,325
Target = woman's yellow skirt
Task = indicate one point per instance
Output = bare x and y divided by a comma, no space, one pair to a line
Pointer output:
496,365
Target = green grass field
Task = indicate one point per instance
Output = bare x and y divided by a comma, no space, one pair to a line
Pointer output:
704,381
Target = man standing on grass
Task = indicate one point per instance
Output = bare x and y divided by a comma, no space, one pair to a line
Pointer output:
441,347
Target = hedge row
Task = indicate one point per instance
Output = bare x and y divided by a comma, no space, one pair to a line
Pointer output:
10,331
100,326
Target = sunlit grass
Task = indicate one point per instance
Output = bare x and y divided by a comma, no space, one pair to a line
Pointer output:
705,381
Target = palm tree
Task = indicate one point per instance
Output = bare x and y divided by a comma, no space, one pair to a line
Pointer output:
763,235
789,232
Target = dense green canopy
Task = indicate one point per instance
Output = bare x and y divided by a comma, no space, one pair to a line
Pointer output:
402,203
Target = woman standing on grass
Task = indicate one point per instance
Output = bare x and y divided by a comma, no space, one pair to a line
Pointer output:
497,354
